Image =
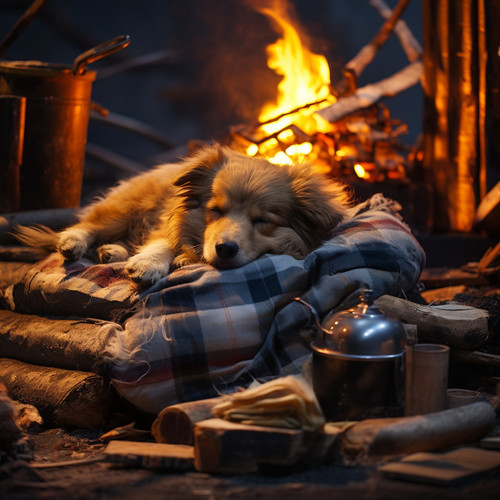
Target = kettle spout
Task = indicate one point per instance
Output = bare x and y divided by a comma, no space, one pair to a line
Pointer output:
313,313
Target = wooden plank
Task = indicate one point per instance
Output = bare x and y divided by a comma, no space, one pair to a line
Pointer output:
150,455
228,447
443,294
438,277
443,468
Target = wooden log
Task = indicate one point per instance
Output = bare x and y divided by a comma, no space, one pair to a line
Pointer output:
455,325
476,357
65,398
453,108
227,447
150,455
368,95
366,55
73,344
175,423
409,43
434,431
55,218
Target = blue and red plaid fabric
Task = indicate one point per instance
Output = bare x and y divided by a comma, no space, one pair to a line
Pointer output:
200,332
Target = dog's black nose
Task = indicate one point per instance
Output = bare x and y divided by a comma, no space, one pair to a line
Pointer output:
227,250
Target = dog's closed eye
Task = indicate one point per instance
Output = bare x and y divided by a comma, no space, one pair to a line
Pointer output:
215,213
260,221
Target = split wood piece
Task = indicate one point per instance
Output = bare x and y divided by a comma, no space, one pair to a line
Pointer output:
490,261
488,212
439,277
455,325
150,455
431,432
28,418
55,218
443,294
73,344
476,357
368,95
443,468
366,55
175,423
65,398
228,447
9,431
410,44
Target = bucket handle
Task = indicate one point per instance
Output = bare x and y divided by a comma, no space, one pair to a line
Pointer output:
98,52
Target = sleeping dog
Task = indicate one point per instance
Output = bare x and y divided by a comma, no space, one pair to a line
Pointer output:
217,206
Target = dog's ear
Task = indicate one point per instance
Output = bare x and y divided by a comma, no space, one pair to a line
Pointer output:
196,179
321,204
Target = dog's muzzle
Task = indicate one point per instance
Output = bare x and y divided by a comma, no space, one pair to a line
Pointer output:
227,250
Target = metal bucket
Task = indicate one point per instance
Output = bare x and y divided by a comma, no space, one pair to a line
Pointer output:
55,135
56,121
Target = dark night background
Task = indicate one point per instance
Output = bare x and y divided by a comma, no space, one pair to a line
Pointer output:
214,74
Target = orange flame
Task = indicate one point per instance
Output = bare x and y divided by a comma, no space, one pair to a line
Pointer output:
306,79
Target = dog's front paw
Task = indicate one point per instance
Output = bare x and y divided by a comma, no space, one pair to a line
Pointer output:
73,243
113,252
144,270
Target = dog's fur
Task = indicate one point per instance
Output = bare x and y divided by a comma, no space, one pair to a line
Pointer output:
217,206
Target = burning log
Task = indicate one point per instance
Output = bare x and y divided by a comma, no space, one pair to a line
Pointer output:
370,94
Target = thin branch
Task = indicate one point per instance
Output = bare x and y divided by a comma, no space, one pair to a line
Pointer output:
366,55
370,94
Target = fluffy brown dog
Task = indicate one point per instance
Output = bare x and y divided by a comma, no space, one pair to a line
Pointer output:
217,206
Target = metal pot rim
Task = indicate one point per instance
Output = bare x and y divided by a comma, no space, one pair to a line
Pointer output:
328,353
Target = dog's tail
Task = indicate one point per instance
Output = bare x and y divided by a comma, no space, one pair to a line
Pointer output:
40,237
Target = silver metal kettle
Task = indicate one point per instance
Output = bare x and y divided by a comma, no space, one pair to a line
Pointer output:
357,365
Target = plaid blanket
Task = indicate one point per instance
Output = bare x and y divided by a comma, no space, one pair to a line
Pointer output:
201,332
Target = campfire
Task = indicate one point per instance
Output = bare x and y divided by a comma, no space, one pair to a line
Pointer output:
345,130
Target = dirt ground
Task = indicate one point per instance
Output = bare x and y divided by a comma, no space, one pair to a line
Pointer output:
54,464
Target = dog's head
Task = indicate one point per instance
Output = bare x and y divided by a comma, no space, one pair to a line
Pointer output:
252,207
